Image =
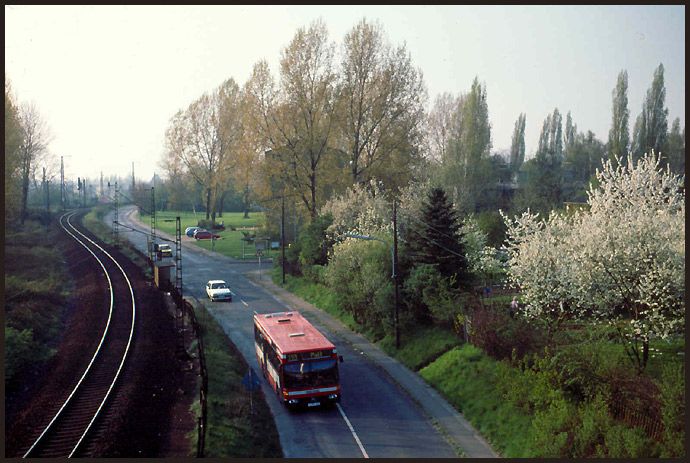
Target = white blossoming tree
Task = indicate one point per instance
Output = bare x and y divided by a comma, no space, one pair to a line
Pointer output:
622,261
362,209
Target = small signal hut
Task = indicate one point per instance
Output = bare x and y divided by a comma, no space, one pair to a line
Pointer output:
161,273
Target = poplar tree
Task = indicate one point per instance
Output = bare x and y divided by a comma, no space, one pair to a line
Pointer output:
550,150
545,183
517,145
651,126
675,148
570,132
619,135
466,168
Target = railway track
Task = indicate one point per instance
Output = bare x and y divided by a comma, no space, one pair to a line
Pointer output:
76,424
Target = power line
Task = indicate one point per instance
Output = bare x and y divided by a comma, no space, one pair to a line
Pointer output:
435,243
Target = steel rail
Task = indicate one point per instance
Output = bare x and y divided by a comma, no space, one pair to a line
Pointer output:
68,217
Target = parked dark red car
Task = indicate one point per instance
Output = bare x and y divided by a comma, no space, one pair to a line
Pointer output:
205,235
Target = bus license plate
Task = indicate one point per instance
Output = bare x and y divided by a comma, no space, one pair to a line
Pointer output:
313,404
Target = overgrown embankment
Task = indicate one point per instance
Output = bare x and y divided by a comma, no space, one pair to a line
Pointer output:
571,395
37,292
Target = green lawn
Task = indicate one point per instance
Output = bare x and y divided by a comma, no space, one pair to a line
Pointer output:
230,242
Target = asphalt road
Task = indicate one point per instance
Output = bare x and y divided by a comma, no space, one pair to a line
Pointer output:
375,419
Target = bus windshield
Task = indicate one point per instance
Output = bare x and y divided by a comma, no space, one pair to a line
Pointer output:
317,373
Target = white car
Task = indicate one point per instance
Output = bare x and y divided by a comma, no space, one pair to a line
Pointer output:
217,290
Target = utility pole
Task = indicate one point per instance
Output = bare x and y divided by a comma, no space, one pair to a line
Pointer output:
116,221
44,186
395,276
62,184
178,260
282,235
153,216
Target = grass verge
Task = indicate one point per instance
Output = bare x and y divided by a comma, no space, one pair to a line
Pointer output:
466,378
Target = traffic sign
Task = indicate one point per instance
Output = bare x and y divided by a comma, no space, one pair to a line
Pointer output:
251,381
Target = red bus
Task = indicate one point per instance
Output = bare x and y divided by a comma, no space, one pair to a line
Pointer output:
297,360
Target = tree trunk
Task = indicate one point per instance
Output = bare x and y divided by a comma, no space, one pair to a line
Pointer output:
25,188
208,203
245,200
220,206
645,355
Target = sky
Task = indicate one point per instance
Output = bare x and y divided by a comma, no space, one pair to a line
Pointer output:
107,79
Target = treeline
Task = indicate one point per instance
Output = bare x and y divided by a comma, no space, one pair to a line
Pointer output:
33,173
342,114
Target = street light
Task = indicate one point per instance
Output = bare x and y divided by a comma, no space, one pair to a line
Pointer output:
282,231
395,280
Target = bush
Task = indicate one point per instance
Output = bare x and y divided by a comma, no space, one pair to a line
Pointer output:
596,420
491,223
550,430
313,243
360,273
210,225
313,273
34,297
21,350
585,366
293,266
624,442
672,396
503,337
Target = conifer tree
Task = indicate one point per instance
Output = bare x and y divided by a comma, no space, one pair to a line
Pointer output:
437,240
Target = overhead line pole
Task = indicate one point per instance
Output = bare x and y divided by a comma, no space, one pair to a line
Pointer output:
395,276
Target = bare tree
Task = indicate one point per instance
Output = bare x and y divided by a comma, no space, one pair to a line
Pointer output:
35,139
441,124
13,140
202,139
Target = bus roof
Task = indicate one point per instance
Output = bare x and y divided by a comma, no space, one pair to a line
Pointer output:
292,333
